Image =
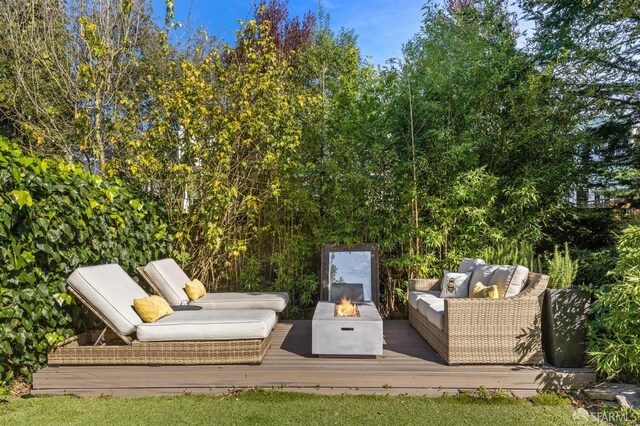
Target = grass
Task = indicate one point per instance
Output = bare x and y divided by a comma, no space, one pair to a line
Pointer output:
282,408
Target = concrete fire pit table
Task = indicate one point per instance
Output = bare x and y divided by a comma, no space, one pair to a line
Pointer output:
346,336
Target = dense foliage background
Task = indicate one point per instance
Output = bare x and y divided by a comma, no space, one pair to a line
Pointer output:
54,218
477,141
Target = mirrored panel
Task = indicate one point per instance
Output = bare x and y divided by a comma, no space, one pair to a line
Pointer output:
350,270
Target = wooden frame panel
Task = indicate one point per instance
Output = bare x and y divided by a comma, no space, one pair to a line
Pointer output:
375,277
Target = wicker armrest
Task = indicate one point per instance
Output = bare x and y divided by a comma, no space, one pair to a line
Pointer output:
482,310
424,284
485,317
483,331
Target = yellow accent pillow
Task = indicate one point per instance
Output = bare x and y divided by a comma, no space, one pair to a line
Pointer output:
152,308
195,290
480,291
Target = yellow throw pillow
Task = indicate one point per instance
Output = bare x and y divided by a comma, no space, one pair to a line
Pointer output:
152,308
195,290
480,291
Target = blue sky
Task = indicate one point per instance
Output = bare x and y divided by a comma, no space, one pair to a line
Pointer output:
382,26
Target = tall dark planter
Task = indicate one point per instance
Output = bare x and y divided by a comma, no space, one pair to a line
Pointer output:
564,317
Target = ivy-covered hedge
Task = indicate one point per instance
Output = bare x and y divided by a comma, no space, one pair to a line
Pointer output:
55,217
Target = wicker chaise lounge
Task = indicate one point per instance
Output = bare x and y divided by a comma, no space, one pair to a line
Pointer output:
167,279
483,331
190,336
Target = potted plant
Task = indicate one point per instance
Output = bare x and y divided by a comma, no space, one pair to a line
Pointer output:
564,313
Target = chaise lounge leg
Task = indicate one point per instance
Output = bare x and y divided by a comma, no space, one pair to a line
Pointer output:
100,340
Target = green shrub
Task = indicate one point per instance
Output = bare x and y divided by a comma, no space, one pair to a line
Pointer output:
54,218
594,267
628,251
614,341
582,228
561,268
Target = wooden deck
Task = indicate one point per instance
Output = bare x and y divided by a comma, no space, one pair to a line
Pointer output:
409,365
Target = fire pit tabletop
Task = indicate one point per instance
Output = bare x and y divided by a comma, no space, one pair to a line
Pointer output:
326,311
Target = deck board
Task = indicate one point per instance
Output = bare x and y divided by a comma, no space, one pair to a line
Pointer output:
409,365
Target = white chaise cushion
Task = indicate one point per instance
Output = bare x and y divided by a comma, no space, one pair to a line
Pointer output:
209,325
414,296
274,301
170,280
110,290
467,265
433,310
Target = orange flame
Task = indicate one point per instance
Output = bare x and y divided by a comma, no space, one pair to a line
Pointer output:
346,308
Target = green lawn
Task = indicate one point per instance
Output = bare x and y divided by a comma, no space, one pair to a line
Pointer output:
278,408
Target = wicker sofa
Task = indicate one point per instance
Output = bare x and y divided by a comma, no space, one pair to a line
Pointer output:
484,331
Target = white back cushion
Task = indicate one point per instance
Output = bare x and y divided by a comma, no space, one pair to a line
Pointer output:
510,280
482,274
502,277
110,290
518,281
467,265
170,280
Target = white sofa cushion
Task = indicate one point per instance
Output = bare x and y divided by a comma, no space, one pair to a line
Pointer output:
467,264
170,280
110,290
209,325
274,301
510,280
455,284
433,310
414,296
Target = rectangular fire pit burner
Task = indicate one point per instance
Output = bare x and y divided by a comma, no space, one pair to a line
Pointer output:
346,309
334,335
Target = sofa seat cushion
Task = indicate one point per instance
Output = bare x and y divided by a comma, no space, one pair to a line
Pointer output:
433,310
414,296
209,325
274,301
110,290
170,280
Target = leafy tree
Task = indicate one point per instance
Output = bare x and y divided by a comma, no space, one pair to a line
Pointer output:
490,132
601,45
289,34
596,49
219,133
72,63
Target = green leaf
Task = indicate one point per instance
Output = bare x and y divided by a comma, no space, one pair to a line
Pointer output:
52,338
22,197
28,256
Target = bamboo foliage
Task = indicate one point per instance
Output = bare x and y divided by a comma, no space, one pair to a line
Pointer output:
219,137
